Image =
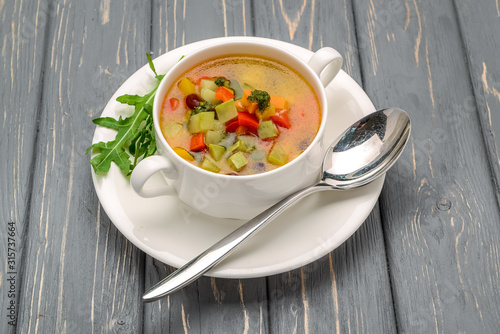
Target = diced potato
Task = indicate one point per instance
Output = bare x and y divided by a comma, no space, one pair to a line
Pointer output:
214,136
194,123
202,122
216,151
172,129
238,146
207,119
208,84
267,129
278,155
209,96
187,87
237,161
226,111
209,165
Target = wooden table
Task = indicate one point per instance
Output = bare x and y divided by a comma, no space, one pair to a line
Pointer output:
426,260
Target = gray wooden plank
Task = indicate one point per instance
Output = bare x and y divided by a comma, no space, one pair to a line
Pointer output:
349,289
22,32
210,305
81,274
479,26
438,205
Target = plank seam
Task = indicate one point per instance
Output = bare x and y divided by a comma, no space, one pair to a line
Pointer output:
388,262
252,11
27,213
356,38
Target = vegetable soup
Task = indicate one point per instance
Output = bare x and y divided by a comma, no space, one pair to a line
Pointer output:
240,115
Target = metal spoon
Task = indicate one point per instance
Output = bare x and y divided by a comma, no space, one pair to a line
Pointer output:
365,151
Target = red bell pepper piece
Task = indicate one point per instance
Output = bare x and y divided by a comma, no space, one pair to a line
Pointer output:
174,103
231,127
245,119
197,142
281,119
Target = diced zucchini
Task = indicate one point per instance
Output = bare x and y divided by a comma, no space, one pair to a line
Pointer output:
206,120
183,153
267,129
266,113
237,161
209,165
209,96
216,151
186,87
278,155
214,137
194,123
226,111
208,84
172,129
238,146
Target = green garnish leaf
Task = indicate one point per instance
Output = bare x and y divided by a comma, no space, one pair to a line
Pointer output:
220,81
203,107
151,65
261,97
135,136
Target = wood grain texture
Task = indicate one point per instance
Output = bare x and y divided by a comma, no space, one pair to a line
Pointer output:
438,204
80,273
210,305
479,26
353,280
22,33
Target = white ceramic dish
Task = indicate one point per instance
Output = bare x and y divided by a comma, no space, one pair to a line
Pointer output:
170,231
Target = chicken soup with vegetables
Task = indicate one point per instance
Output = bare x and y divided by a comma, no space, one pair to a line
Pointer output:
240,115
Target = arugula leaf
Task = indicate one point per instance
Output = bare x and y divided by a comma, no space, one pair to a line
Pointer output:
135,135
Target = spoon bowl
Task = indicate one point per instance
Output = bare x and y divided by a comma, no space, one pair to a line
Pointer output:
366,150
361,154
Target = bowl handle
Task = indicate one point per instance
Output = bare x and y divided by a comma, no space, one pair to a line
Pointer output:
145,169
326,62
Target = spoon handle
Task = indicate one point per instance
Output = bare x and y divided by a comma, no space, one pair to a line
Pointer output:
220,250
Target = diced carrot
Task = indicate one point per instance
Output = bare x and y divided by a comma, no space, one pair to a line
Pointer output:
224,94
197,142
246,94
279,102
174,103
250,106
281,119
250,121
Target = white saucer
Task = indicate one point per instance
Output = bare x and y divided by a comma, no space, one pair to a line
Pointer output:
170,231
